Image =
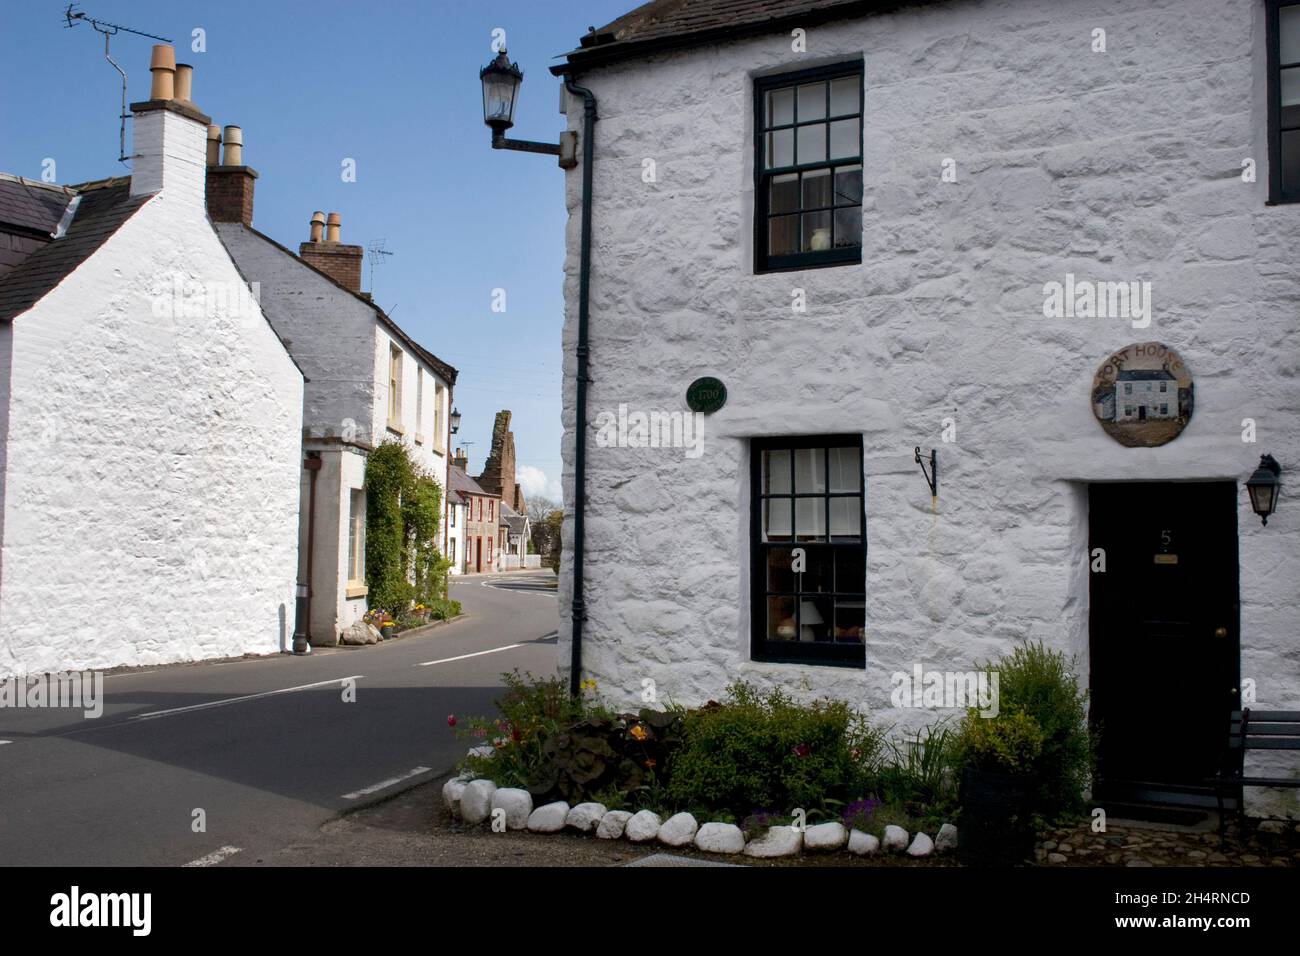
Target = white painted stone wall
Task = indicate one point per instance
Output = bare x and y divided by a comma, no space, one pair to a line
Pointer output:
456,533
1123,165
151,467
330,333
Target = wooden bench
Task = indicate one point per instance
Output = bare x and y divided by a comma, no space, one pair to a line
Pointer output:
1254,730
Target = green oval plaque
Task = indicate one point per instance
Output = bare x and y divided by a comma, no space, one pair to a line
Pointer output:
706,395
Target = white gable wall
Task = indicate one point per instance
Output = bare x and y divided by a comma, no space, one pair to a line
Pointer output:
151,489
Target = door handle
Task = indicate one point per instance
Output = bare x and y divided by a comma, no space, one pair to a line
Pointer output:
1220,632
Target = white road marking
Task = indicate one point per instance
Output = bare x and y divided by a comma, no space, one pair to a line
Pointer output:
385,784
3,742
236,700
215,857
446,660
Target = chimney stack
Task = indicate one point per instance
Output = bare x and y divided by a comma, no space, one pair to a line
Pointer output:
168,131
230,182
339,261
460,460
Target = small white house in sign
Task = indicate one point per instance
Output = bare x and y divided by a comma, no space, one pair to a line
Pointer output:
1145,394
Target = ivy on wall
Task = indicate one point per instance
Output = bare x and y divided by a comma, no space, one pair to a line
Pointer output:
403,505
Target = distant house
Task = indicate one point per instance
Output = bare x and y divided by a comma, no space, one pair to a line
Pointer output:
515,533
149,419
368,381
480,528
1145,394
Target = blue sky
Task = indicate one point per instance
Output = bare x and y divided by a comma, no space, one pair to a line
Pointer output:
393,85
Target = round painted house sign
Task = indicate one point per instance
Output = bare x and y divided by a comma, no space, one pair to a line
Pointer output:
706,395
1142,395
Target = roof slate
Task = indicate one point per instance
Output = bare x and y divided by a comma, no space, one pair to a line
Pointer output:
464,484
105,206
667,24
26,204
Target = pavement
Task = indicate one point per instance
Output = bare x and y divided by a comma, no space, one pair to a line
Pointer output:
203,764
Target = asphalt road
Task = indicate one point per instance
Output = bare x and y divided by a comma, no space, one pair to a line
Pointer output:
267,748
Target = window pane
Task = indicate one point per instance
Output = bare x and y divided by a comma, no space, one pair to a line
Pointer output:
846,519
780,107
783,235
812,143
810,519
845,141
846,470
780,148
812,102
815,617
1289,34
816,188
1291,162
816,231
809,470
848,227
850,621
776,472
1290,87
850,571
776,519
780,570
848,186
844,95
818,575
781,624
784,195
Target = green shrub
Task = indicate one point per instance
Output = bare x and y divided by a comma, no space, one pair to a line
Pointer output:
764,752
1008,743
917,778
444,609
1041,683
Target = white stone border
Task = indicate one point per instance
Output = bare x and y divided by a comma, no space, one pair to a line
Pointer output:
476,800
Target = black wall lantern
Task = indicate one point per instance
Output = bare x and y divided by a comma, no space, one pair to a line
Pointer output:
455,420
1264,486
501,80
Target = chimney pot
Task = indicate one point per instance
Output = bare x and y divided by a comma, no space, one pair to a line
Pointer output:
317,225
184,82
214,145
234,140
163,67
332,227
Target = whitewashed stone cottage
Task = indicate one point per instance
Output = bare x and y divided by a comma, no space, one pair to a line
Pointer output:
850,213
149,419
367,382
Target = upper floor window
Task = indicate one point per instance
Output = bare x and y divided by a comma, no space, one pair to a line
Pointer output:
808,168
419,404
394,385
1284,101
809,554
439,431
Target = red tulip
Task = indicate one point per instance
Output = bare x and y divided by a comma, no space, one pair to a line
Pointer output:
451,720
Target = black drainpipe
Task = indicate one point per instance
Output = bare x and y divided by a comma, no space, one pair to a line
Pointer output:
579,611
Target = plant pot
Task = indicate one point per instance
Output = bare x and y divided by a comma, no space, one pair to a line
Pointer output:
389,631
996,819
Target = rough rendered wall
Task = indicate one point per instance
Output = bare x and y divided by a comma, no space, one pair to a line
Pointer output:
1123,165
151,494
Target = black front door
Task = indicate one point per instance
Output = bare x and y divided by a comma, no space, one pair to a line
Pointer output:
1164,635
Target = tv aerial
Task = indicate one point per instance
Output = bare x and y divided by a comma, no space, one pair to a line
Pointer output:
375,252
73,17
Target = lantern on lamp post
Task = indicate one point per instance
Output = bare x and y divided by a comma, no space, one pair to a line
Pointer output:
1263,487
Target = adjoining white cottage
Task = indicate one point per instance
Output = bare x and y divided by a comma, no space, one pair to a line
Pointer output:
149,419
852,221
367,382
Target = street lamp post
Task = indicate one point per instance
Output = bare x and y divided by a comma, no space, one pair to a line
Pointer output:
501,80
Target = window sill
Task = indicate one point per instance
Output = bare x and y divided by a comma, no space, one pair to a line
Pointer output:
812,260
857,661
419,439
396,427
355,591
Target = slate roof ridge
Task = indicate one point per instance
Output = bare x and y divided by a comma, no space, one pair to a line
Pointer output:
447,371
